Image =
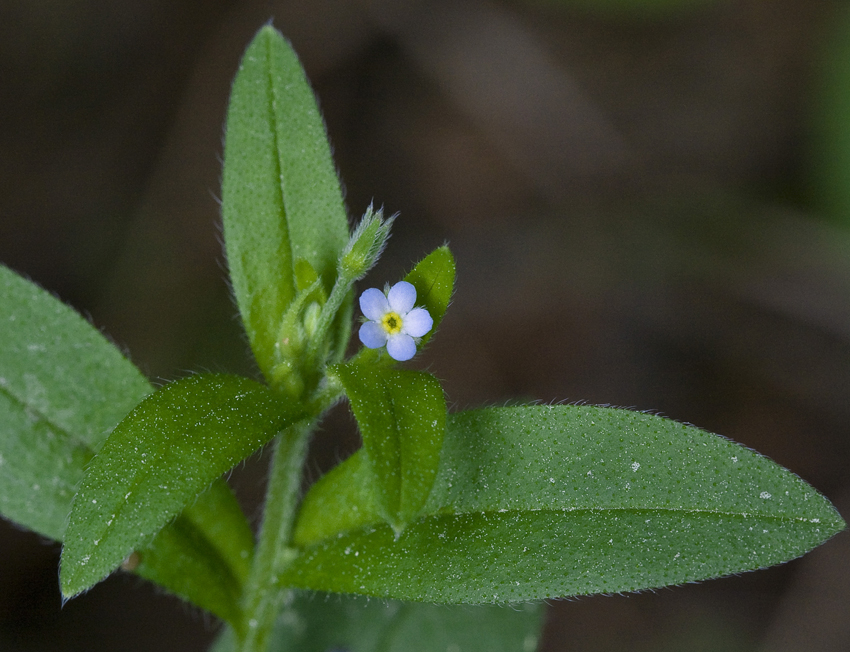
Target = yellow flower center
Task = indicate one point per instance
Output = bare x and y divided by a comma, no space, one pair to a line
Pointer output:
391,323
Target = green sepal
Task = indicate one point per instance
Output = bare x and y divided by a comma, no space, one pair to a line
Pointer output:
281,199
549,501
402,419
366,245
158,460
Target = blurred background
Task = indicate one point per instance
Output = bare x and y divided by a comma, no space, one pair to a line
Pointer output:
649,202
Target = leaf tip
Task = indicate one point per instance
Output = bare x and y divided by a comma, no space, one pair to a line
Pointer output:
397,526
77,577
69,582
269,31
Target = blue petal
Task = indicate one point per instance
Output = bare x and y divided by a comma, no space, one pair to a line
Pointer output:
401,347
417,322
401,297
373,335
374,304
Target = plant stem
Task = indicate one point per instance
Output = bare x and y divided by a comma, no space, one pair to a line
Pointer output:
326,317
263,597
328,393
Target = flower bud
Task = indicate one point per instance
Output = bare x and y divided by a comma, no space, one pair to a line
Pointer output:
365,245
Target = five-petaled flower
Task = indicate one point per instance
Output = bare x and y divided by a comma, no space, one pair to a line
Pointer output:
393,321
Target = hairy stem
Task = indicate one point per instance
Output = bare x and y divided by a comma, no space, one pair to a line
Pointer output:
263,597
329,311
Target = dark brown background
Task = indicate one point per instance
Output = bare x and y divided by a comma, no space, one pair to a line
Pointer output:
625,194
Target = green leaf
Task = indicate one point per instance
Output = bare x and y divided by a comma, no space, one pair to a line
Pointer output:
157,460
343,500
331,622
434,280
541,502
63,387
204,555
281,199
54,362
40,467
402,419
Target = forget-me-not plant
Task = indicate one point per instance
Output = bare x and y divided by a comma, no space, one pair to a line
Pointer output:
393,321
492,506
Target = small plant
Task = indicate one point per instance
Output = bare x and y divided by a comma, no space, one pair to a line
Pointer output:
490,507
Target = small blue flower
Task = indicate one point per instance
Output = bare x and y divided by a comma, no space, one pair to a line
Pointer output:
393,321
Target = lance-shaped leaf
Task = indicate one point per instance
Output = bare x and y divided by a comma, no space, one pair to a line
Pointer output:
157,460
281,199
64,387
322,623
402,419
540,502
434,280
204,555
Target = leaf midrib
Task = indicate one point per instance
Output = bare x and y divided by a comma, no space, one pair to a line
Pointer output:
143,473
281,192
72,439
508,513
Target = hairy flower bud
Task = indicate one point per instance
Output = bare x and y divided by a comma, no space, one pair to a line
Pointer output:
365,245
